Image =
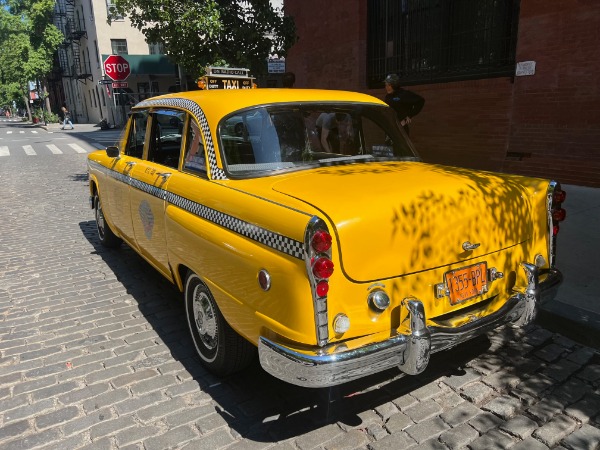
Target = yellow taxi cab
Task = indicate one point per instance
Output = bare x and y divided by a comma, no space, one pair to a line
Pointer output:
302,225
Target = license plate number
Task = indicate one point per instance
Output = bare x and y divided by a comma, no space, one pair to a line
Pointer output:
466,282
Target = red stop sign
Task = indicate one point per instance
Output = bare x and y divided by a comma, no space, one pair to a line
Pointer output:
116,68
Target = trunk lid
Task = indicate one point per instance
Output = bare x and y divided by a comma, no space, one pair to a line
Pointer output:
392,219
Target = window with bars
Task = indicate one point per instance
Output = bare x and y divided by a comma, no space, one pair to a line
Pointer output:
432,41
118,46
156,48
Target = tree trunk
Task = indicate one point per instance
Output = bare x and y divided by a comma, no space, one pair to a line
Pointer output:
26,99
46,97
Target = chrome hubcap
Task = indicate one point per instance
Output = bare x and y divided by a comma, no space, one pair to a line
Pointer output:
205,319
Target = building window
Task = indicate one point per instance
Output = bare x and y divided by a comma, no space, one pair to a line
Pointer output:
119,46
111,11
156,48
432,41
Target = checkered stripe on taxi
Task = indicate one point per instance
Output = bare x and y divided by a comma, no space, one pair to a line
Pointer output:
269,238
196,111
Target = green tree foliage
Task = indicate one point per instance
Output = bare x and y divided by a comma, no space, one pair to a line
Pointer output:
28,40
197,33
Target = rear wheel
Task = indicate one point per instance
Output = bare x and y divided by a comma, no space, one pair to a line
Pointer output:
105,234
220,348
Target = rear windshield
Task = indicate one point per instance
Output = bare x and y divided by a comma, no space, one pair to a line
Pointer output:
270,139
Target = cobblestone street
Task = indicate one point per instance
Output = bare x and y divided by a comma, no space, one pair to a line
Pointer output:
95,354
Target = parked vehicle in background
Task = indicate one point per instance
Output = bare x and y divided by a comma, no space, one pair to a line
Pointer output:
334,264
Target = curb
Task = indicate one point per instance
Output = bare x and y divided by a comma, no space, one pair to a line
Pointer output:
575,323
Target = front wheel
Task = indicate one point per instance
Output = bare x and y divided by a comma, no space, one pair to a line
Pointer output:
105,234
220,348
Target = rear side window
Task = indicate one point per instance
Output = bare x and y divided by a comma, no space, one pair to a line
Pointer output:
194,159
137,134
166,137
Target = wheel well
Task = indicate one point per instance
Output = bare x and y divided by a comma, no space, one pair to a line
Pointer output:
180,276
93,188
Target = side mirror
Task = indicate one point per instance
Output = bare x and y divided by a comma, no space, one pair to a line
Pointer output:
112,151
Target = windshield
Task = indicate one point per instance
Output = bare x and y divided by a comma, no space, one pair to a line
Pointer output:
268,139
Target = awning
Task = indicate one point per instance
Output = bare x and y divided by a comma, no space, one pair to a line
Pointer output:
149,64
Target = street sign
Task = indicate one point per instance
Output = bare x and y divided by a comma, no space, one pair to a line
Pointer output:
120,84
105,81
117,68
276,65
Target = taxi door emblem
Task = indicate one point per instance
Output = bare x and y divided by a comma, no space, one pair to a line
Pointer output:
147,218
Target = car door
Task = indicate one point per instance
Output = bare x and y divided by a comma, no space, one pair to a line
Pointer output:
123,167
150,182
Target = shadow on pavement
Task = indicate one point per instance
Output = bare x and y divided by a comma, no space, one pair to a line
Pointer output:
252,402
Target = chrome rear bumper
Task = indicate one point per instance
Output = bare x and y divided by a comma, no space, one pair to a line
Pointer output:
329,366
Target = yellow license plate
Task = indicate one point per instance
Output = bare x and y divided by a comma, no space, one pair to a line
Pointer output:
466,282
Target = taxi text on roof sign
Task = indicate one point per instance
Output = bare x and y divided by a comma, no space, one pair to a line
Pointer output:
226,78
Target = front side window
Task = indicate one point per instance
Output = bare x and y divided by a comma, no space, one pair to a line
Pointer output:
166,138
432,41
262,140
137,134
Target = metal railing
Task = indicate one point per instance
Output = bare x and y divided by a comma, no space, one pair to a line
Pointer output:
430,41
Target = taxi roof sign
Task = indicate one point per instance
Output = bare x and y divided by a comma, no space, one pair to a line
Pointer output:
226,78
227,72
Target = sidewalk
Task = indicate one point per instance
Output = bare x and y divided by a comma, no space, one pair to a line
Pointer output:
575,312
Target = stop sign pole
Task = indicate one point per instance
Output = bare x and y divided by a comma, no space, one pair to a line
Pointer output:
117,68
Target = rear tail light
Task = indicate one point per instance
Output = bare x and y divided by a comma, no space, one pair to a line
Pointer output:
322,268
322,288
319,265
558,215
557,212
321,241
556,196
559,196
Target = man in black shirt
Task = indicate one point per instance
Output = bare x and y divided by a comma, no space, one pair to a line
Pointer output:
407,104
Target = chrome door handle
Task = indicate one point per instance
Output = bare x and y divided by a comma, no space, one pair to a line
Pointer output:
130,164
164,175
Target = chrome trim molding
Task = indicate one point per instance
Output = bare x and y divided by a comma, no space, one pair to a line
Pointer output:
330,366
269,238
191,106
319,303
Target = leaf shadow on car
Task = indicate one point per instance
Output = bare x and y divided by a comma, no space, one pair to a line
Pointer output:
256,405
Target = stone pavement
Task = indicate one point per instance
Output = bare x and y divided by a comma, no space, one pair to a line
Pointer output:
95,354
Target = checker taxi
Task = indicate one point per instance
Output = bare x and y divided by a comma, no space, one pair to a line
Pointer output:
302,227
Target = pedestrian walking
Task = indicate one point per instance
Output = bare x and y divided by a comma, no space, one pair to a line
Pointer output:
406,103
66,116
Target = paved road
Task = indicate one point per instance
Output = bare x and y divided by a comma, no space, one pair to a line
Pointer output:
94,354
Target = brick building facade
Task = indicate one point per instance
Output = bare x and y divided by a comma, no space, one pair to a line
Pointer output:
546,124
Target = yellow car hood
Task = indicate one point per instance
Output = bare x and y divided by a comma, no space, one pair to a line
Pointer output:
392,219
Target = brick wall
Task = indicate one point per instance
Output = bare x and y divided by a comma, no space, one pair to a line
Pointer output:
556,112
544,125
